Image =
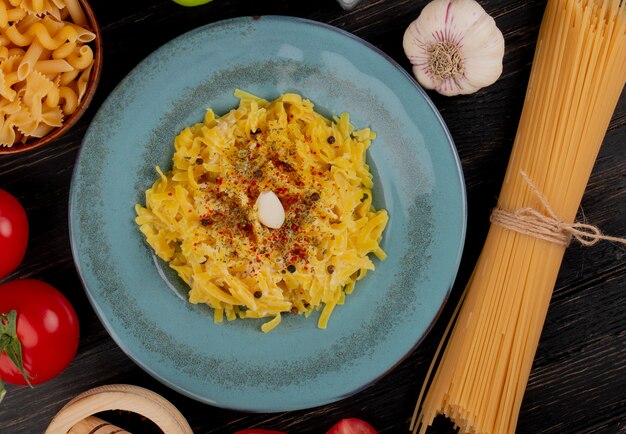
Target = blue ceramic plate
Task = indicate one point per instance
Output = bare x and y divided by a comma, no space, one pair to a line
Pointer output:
141,301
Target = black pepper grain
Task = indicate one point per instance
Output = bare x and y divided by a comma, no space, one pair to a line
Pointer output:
205,222
258,294
330,140
330,269
291,268
315,197
258,173
199,161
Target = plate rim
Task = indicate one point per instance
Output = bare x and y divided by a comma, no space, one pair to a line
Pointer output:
452,148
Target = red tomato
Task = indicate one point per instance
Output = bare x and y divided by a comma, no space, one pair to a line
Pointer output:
13,233
258,431
47,328
352,426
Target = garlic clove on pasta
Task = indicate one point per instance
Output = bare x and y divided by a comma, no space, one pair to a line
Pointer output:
455,47
270,210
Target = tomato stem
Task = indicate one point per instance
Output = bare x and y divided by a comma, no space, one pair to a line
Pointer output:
11,345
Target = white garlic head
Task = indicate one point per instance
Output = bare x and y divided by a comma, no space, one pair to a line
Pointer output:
455,47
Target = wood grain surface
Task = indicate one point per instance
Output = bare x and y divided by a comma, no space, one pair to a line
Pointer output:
578,382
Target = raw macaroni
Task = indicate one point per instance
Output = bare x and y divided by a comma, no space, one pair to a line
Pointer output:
44,66
202,217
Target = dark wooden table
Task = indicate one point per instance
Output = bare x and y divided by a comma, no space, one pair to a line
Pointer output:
578,382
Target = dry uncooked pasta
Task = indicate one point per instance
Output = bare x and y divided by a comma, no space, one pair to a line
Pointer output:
45,62
578,74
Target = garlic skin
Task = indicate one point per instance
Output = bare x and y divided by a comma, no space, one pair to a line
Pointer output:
455,47
270,210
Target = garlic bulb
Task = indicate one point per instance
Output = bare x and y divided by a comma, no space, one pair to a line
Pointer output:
454,47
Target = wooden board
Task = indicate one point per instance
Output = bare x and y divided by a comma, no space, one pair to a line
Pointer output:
578,383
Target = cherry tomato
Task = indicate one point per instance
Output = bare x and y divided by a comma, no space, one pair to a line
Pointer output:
13,233
47,328
258,431
352,426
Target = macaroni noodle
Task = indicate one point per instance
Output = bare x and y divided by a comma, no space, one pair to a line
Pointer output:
202,216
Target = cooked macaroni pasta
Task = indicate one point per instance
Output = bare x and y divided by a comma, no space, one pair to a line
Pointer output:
203,218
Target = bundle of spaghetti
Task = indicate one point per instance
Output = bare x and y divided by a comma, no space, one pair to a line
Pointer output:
578,73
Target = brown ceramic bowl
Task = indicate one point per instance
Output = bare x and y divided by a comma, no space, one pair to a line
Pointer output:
92,84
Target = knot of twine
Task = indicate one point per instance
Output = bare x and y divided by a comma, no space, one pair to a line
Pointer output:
548,226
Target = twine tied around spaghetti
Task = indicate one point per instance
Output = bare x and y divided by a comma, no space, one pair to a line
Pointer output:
548,226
